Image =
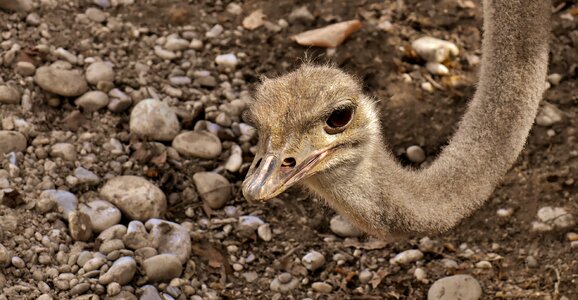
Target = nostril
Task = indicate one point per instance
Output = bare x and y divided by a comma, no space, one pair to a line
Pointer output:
289,162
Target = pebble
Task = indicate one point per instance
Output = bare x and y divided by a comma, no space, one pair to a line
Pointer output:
170,238
463,287
17,262
66,55
66,201
249,223
434,50
12,141
122,271
557,216
301,14
154,120
113,289
102,214
149,292
428,87
264,232
94,263
313,260
420,274
365,276
162,268
164,54
119,101
235,161
99,71
85,176
65,151
406,257
254,20
284,283
322,287
214,189
554,78
342,227
95,14
9,95
176,44
215,31
80,226
68,83
228,60
531,262
548,115
484,264
329,36
24,68
449,263
136,236
437,68
504,212
92,101
415,154
5,256
135,196
111,245
201,144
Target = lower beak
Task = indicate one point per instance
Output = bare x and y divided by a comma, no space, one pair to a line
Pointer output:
268,177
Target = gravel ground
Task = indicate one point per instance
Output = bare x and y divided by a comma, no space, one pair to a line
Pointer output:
122,150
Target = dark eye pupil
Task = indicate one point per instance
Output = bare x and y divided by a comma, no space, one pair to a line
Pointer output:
340,117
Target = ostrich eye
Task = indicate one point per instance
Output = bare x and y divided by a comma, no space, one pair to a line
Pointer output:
338,119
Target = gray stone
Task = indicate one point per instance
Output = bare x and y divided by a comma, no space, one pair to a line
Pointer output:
12,141
9,95
200,144
284,283
214,189
99,71
136,197
119,101
463,287
342,227
92,101
170,238
162,268
136,236
85,176
68,83
154,120
102,214
65,151
66,201
149,292
122,272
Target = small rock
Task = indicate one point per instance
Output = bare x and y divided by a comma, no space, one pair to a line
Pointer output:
85,176
5,256
170,238
313,260
284,283
162,268
531,262
122,271
301,14
572,236
135,196
437,68
449,263
235,161
175,43
434,50
200,144
329,36
215,31
18,262
463,287
110,246
228,60
255,20
322,287
415,154
556,216
554,78
92,101
214,189
113,232
548,115
9,95
153,119
365,276
95,14
342,227
94,263
149,292
119,101
249,223
264,232
25,68
164,54
68,83
406,257
136,236
102,214
420,274
428,87
504,212
80,226
99,71
66,201
65,151
12,141
484,264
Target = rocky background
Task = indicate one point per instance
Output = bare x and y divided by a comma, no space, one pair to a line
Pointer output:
123,148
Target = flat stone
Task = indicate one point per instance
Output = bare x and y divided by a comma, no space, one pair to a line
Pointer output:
154,120
12,141
214,189
463,287
68,83
102,214
200,144
162,267
342,227
122,271
170,238
135,196
92,101
9,95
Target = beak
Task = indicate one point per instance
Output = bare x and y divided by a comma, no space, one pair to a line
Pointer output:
269,177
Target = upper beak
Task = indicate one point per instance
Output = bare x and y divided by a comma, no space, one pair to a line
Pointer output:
269,177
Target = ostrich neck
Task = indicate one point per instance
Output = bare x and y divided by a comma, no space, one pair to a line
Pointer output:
383,198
